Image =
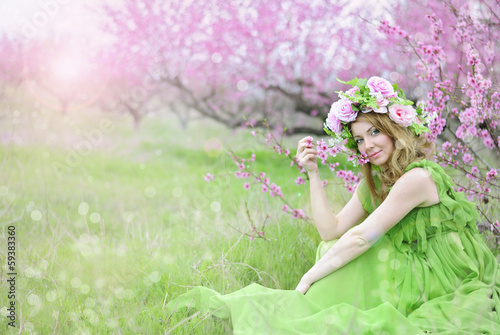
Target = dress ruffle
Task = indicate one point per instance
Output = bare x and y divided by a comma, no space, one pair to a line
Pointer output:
453,213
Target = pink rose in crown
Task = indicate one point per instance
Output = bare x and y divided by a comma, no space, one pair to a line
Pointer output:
333,123
351,92
402,114
382,86
381,100
342,110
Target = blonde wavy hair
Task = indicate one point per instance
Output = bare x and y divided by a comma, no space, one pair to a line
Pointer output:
408,148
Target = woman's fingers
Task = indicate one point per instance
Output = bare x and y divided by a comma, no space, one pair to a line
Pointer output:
306,152
303,144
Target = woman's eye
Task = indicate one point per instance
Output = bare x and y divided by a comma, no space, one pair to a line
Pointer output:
375,131
358,140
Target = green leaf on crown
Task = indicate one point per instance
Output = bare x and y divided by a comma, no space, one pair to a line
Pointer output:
351,82
418,129
328,131
351,144
361,82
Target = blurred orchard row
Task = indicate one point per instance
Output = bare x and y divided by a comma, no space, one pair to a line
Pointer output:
276,63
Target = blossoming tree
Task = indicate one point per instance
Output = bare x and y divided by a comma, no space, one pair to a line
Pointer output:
274,64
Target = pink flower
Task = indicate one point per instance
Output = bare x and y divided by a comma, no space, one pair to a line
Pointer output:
208,178
263,188
298,213
299,180
380,85
467,158
381,100
402,114
287,152
254,133
491,174
246,186
333,123
351,92
284,208
488,142
342,110
324,183
446,145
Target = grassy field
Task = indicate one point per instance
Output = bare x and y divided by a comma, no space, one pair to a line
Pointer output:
111,223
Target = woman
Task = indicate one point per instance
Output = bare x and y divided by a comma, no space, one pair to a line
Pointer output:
404,256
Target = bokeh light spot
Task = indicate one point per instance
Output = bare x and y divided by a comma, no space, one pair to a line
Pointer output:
213,147
394,76
51,295
155,276
128,217
336,262
36,215
395,264
242,85
383,255
86,251
84,289
34,300
90,302
400,144
215,206
216,57
95,217
83,208
177,192
76,282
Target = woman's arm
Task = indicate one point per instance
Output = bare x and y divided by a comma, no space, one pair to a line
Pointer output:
414,189
329,225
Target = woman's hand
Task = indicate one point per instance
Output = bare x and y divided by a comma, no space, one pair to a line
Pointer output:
303,286
306,155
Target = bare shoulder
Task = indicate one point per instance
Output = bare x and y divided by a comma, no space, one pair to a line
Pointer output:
418,183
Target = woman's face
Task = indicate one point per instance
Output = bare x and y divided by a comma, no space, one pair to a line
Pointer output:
370,140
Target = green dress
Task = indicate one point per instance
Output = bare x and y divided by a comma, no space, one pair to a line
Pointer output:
431,273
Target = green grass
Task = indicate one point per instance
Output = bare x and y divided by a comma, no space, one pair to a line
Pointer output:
104,242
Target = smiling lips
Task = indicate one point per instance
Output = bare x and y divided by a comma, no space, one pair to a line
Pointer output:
375,154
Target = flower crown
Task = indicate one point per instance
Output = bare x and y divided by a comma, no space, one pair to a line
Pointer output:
378,95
